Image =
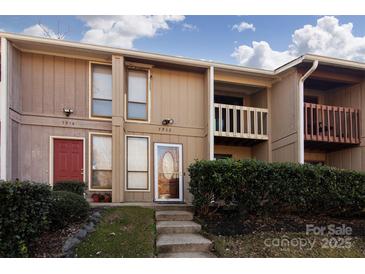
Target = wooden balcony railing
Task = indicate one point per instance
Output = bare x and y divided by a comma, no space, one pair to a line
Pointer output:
331,124
240,122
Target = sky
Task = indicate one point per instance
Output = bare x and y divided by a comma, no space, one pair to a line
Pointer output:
255,41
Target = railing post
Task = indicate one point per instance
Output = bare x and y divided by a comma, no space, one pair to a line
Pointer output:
220,122
234,120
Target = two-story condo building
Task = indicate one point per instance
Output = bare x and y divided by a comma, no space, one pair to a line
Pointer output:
130,122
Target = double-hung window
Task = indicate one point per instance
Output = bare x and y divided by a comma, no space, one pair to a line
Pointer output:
137,95
137,163
101,162
101,87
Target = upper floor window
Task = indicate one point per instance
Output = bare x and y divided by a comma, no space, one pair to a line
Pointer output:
101,86
137,96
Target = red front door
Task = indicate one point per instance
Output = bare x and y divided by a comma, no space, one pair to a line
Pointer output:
68,160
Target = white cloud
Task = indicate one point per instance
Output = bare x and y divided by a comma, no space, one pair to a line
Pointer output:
260,55
328,37
189,27
122,31
243,26
40,30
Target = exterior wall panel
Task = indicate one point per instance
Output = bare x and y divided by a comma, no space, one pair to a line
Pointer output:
182,96
237,152
50,83
284,118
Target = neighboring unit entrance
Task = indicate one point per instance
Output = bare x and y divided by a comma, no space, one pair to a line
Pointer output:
68,160
168,172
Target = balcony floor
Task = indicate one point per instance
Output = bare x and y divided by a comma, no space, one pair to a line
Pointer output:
219,140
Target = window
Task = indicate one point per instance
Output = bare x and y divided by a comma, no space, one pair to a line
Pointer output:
137,163
101,84
101,162
137,96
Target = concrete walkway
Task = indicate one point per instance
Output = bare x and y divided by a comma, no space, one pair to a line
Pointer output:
178,235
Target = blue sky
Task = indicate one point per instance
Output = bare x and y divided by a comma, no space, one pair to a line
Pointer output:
211,37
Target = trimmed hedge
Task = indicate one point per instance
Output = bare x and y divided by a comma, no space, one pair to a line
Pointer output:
24,207
67,208
70,186
259,187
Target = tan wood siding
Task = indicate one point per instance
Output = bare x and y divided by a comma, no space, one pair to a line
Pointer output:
350,96
182,96
50,83
237,152
33,155
179,95
192,148
284,118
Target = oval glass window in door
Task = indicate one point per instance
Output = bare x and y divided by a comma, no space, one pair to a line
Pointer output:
168,165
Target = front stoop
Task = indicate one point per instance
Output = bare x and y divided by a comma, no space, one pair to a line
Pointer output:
178,236
170,227
174,215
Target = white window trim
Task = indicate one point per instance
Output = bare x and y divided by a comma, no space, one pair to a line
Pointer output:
91,117
51,155
148,97
90,160
126,163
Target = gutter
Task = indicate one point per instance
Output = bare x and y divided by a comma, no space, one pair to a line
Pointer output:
301,111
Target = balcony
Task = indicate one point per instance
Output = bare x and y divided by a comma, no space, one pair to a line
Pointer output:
331,124
240,122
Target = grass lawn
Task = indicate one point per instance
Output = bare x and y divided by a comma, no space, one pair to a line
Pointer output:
264,245
124,232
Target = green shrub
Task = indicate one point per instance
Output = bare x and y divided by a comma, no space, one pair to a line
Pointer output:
67,208
24,208
260,187
70,186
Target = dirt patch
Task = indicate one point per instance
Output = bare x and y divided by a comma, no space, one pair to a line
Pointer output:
50,243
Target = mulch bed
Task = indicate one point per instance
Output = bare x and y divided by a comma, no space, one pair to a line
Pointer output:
50,243
231,223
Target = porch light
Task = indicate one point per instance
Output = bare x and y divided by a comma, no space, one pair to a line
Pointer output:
166,122
68,111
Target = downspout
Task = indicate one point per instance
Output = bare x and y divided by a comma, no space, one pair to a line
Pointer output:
4,109
301,111
211,113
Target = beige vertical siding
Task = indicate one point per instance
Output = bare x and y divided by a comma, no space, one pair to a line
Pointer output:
182,96
41,85
259,99
351,96
237,152
50,83
284,117
192,147
179,95
33,151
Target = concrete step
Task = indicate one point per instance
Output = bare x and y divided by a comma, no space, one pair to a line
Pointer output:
169,227
167,243
174,215
187,255
175,207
